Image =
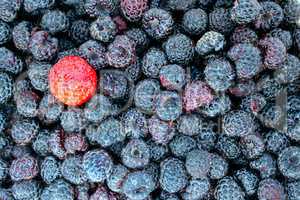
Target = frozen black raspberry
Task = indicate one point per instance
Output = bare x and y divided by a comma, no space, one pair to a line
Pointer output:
219,74
247,59
55,21
220,21
195,21
43,46
245,11
210,42
179,49
103,29
158,23
154,59
271,15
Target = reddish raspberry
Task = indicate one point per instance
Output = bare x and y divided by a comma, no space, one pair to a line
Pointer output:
24,168
121,52
196,94
72,80
74,143
133,10
56,144
121,24
243,88
104,194
274,52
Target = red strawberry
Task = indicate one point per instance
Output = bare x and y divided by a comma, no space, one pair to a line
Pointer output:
72,80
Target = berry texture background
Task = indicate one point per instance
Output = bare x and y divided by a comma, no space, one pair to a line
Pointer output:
149,100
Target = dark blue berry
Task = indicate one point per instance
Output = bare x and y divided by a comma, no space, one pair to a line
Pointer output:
248,180
21,35
94,53
245,11
266,165
24,131
196,189
103,29
181,145
158,23
6,88
179,49
43,46
172,77
145,93
9,62
26,189
98,108
36,6
135,123
5,33
220,21
270,189
271,15
50,169
55,21
173,175
138,185
228,188
288,162
195,21
136,154
59,189
79,31
153,60
210,42
218,167
219,74
73,171
9,9
197,163
38,75
97,165
168,105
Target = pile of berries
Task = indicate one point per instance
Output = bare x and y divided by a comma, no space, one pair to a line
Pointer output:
149,99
